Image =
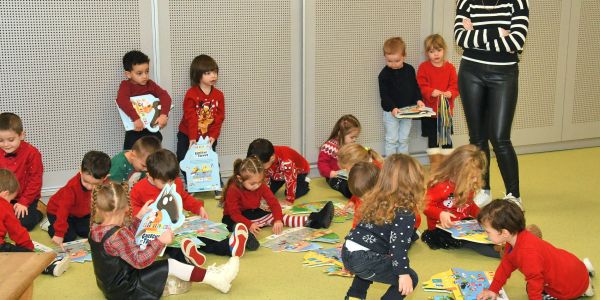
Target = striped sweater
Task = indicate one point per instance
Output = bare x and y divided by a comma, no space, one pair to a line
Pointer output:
485,43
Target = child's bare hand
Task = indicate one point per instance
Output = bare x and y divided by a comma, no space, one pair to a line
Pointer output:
20,210
277,227
420,103
332,174
467,24
504,32
349,205
436,93
394,112
192,142
203,213
59,241
254,228
405,284
138,125
446,219
144,210
487,295
166,237
447,94
162,120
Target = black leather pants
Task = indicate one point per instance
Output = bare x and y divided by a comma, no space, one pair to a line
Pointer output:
489,98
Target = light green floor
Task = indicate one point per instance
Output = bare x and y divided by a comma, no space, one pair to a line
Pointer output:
560,194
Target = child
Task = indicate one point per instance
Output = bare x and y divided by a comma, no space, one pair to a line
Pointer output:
351,154
361,179
137,69
9,186
243,193
283,165
69,209
398,88
25,161
130,165
345,131
203,108
436,78
123,270
377,249
450,198
551,273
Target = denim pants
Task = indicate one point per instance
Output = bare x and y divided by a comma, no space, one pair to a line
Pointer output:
396,134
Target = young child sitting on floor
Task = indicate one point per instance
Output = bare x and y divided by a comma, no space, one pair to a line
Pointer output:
361,180
130,165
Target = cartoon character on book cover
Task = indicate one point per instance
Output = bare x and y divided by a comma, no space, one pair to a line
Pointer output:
201,165
148,108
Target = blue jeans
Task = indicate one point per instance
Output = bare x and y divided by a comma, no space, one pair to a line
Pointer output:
396,134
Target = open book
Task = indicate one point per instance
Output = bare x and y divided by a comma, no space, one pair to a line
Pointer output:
414,112
147,107
468,230
462,284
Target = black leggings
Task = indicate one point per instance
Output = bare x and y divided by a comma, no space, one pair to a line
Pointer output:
489,97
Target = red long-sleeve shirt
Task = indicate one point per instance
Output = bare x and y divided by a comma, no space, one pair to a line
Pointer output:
440,198
442,78
239,199
128,89
26,164
287,166
546,268
11,226
328,161
144,191
71,200
203,114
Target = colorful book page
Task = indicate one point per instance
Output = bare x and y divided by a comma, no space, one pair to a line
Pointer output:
291,240
78,250
468,230
413,112
203,228
147,107
340,214
201,167
462,284
470,283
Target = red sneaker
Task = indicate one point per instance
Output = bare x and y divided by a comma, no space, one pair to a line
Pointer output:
191,252
237,240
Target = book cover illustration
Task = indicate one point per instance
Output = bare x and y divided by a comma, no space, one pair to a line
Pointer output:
166,212
469,230
414,112
340,214
291,240
147,107
78,251
195,226
201,165
461,284
331,258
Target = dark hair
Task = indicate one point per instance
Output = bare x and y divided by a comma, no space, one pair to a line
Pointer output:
200,65
96,163
146,145
163,165
503,214
362,178
10,121
261,148
243,167
133,58
8,181
342,127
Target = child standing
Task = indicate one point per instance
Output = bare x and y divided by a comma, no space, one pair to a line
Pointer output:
450,198
69,209
283,165
361,179
398,88
551,273
130,165
25,161
137,69
438,81
377,249
122,269
345,131
203,108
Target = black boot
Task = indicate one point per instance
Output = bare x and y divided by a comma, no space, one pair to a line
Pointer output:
252,244
322,218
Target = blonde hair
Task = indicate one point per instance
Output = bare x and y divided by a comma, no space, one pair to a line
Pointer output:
343,127
394,45
110,197
350,154
464,168
435,41
401,185
244,168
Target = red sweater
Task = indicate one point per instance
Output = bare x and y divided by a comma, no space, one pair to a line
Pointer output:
71,200
545,267
128,89
239,199
9,224
441,78
143,191
328,161
26,163
440,198
287,166
203,114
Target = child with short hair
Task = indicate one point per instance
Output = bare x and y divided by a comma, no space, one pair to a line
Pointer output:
130,165
242,196
398,88
283,166
69,209
138,83
9,187
450,194
25,161
437,78
377,249
345,131
361,179
551,273
123,270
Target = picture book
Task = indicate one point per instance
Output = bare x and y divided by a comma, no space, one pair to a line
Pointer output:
343,174
461,284
165,213
331,258
340,214
291,240
469,230
78,250
413,112
147,107
201,167
203,228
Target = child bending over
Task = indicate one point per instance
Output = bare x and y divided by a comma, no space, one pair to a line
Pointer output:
130,165
361,179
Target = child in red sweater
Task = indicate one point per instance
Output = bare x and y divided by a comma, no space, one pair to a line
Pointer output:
450,198
551,273
69,209
345,131
25,161
283,165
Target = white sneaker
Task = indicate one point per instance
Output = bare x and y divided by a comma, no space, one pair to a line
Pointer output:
44,224
589,267
220,277
483,198
58,266
514,200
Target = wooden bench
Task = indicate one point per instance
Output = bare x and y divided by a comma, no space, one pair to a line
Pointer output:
18,272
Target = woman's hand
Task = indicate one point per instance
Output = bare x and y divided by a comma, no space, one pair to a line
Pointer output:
467,24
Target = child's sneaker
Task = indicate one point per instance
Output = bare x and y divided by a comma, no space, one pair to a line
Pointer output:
191,252
44,224
483,198
176,286
322,218
220,277
238,239
218,195
58,266
589,267
514,200
535,230
252,244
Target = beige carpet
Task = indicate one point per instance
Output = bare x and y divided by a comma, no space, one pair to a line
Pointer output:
560,193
